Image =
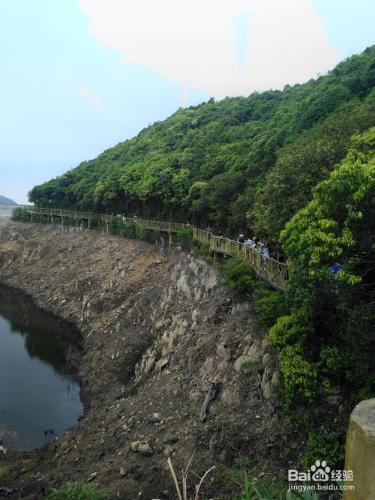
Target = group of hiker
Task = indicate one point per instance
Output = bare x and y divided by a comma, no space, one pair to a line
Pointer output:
124,218
254,243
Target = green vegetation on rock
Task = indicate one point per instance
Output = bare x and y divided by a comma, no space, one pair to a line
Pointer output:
77,491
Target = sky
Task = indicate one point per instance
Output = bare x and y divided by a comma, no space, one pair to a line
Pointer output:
79,76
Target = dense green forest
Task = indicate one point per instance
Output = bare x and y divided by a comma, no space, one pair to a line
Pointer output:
232,163
297,168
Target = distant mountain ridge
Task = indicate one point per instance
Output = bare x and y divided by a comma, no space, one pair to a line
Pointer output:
6,201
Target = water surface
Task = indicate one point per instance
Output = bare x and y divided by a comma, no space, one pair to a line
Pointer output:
37,390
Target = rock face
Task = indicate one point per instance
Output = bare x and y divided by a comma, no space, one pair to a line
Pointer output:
159,330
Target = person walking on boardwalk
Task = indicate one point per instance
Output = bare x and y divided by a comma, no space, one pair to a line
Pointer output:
265,252
248,243
260,246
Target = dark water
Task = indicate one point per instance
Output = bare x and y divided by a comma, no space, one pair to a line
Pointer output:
37,391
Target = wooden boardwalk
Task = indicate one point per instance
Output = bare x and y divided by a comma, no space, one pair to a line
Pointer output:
270,270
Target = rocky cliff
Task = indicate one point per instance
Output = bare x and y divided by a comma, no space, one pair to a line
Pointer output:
172,363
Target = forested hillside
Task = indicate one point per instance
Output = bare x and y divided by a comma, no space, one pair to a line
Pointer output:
243,164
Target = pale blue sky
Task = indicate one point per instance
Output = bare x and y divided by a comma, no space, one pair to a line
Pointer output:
67,91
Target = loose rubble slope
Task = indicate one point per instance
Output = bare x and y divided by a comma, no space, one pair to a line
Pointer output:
162,336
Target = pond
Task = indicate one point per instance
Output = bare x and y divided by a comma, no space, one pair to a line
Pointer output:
39,396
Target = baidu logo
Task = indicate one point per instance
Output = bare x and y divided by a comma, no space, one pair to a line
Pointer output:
320,471
321,477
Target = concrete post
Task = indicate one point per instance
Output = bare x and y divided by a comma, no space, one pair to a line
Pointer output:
360,452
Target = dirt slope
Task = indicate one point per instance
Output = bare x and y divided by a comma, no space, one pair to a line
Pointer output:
160,330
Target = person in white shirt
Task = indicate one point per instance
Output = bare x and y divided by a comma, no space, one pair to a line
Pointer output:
266,252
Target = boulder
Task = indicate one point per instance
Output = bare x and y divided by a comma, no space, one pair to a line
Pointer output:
267,359
240,362
231,397
275,381
135,446
170,438
145,449
265,384
155,418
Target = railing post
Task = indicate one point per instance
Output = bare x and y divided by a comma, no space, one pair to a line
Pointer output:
360,452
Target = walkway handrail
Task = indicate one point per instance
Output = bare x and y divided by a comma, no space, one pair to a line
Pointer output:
266,268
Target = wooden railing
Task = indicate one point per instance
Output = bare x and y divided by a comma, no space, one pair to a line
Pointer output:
266,268
270,270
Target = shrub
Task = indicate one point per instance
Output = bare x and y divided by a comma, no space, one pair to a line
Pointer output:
262,491
239,482
203,250
332,361
299,376
324,444
115,226
128,229
295,327
20,213
185,238
135,231
240,277
269,305
77,491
